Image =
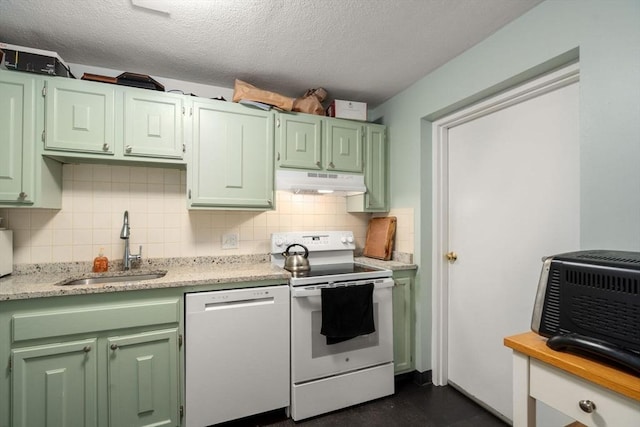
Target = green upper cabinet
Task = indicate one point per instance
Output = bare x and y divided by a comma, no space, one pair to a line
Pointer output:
343,142
79,116
231,163
153,124
55,385
93,121
143,379
299,137
313,142
26,179
17,133
376,199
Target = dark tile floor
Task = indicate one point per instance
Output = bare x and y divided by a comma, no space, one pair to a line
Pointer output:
411,405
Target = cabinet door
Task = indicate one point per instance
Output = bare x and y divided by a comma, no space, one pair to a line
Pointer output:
343,142
143,379
55,385
232,163
79,116
299,141
375,169
153,124
402,324
17,133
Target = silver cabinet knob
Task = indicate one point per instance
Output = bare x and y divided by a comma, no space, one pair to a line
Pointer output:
22,195
105,147
114,346
331,165
128,149
318,163
587,406
87,348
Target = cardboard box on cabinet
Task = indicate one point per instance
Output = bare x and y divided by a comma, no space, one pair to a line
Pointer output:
347,110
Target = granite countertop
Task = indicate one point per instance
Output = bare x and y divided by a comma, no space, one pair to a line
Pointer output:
43,280
390,265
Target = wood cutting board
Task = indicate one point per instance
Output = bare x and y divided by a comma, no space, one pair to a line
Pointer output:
379,243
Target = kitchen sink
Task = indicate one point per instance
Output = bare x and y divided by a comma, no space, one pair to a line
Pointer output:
114,278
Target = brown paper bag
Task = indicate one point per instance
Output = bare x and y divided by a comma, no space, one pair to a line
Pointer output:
311,102
243,90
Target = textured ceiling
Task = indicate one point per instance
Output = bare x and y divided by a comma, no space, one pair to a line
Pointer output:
362,50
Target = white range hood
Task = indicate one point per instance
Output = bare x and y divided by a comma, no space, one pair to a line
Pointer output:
305,182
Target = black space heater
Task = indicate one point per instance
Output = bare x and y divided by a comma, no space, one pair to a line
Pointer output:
588,302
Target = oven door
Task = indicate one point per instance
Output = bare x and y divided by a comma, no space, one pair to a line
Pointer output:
312,358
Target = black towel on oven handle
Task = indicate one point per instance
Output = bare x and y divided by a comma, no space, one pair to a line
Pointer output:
347,312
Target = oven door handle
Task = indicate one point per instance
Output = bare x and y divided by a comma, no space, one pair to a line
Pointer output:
303,292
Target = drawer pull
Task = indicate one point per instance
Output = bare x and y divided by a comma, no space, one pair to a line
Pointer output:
587,406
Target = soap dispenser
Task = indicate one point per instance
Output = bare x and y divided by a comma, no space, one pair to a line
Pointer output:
100,263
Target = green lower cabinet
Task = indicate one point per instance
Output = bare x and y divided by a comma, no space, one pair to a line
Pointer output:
403,319
143,379
55,385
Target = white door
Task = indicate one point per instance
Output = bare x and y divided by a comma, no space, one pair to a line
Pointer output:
513,197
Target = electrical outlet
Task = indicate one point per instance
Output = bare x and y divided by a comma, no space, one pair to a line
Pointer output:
230,241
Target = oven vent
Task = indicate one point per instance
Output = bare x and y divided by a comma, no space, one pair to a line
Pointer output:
607,317
604,282
551,315
610,256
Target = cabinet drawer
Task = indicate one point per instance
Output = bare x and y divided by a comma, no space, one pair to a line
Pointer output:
93,318
563,391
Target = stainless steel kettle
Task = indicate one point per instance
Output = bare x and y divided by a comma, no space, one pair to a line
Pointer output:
294,262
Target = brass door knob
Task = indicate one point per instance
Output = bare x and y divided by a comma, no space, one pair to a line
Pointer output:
452,256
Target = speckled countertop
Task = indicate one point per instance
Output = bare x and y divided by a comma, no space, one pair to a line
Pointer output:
390,265
43,280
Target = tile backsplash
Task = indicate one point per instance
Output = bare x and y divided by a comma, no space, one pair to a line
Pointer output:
94,198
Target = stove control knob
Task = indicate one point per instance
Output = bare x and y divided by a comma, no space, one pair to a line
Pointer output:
350,239
279,242
343,239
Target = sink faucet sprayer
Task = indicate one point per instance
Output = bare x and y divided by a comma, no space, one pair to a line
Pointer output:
125,234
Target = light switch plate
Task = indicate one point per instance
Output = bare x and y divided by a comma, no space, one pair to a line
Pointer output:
230,241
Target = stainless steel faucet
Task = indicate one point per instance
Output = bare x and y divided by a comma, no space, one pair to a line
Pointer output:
125,234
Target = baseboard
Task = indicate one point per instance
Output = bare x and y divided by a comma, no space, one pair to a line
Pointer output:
423,378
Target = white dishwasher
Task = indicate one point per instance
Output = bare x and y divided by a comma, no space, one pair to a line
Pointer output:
236,353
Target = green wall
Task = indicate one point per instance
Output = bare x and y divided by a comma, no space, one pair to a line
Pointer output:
605,35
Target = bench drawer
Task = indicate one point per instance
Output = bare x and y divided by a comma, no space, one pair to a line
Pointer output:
564,391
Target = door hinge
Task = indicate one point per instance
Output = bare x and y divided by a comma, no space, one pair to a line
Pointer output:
9,364
179,340
43,135
189,193
184,148
44,90
278,159
183,111
277,123
181,411
190,111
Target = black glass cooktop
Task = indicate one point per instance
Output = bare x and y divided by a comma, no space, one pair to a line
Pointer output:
334,269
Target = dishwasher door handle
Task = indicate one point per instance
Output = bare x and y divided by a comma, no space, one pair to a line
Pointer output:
224,305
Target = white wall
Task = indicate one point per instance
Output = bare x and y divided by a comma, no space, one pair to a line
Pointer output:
606,35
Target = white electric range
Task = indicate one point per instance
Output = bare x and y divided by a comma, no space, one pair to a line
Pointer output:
326,377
